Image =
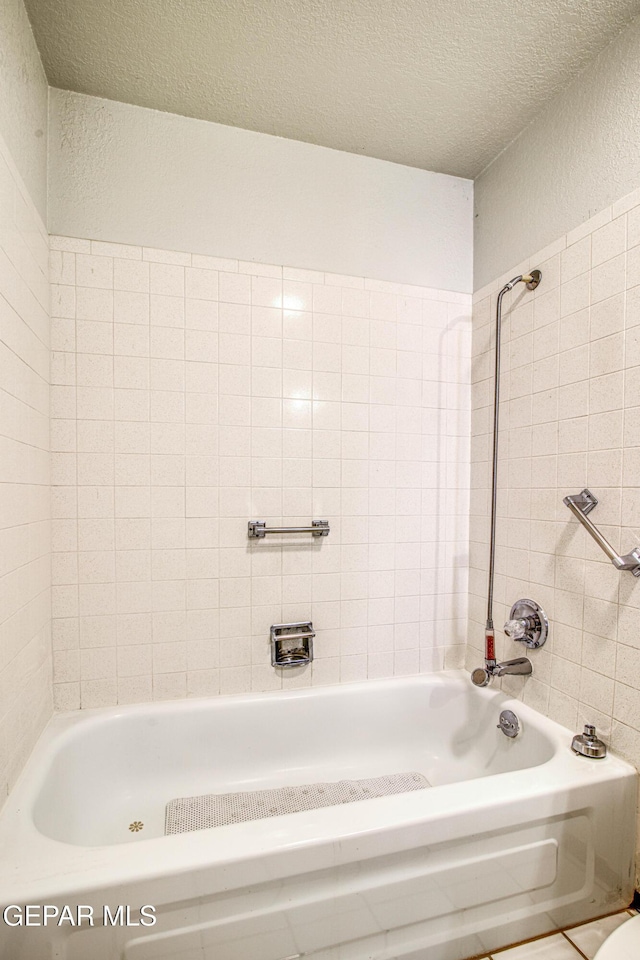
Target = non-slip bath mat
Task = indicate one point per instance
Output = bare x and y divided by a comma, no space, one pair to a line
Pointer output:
221,809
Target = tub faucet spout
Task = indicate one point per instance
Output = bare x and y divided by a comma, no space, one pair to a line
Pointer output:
520,667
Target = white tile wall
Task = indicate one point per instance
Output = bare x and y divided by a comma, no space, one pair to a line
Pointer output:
570,418
25,574
192,394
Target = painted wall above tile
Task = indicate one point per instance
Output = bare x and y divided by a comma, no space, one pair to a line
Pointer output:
119,172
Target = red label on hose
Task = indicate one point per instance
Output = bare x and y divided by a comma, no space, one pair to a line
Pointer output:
490,646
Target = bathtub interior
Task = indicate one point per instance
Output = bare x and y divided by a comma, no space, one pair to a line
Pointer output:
119,768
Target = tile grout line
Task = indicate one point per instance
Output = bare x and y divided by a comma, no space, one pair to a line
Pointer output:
553,933
576,948
628,912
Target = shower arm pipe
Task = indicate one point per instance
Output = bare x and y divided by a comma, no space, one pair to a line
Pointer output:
531,280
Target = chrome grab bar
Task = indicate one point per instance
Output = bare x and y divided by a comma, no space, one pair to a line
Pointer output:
583,503
258,529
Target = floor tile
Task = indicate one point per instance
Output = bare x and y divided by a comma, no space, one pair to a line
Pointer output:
555,947
590,936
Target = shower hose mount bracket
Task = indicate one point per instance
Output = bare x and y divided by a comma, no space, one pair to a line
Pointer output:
535,278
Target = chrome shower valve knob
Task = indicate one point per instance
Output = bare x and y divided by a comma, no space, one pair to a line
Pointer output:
517,629
528,624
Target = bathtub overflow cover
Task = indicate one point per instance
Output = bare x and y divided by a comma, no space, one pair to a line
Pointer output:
509,724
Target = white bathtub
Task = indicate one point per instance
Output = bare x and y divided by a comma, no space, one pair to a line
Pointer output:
515,838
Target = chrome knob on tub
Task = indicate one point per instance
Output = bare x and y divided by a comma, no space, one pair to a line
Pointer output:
528,624
509,724
517,629
587,744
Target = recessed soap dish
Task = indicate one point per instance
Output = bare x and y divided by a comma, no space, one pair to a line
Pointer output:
292,644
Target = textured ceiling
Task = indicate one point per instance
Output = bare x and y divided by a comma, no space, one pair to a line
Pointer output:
440,84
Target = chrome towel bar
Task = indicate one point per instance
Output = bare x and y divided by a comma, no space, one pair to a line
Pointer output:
583,503
258,529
